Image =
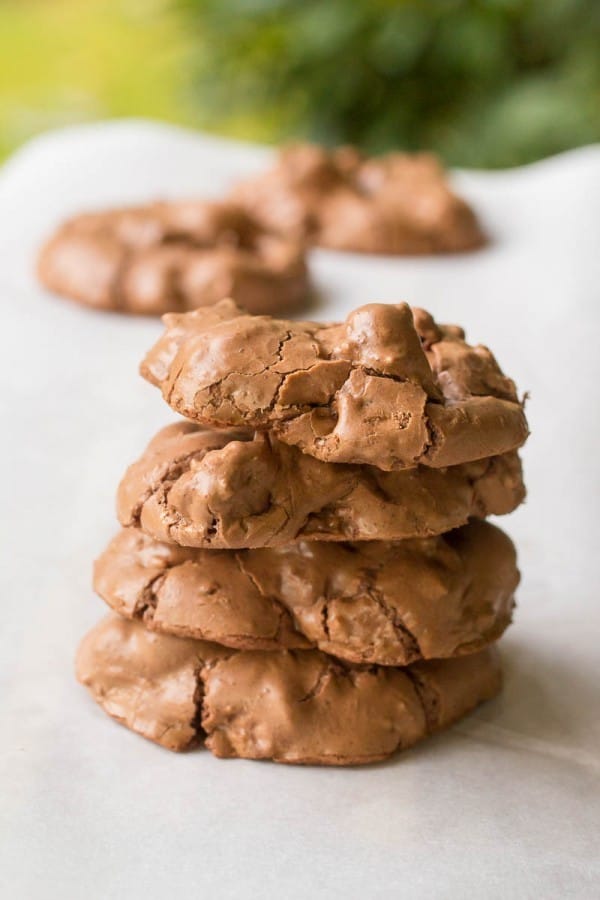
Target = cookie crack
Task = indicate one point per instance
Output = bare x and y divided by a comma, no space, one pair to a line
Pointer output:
325,619
428,697
277,531
283,613
433,437
175,469
171,383
339,667
213,389
147,602
198,700
406,637
322,679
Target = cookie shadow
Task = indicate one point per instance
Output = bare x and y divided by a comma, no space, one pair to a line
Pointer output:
544,708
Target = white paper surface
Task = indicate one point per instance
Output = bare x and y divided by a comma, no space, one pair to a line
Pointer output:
506,804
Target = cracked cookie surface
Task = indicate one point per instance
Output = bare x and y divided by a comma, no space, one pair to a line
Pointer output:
388,387
398,203
176,256
292,706
389,603
231,489
204,594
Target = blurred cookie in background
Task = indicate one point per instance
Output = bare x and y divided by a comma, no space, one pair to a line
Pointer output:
396,204
174,256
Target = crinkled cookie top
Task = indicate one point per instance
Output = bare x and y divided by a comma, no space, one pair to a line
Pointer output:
231,489
388,387
389,603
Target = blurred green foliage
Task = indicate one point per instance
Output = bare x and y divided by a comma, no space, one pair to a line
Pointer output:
482,82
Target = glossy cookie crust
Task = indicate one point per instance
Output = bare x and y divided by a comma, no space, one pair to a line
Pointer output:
225,489
390,603
388,387
292,706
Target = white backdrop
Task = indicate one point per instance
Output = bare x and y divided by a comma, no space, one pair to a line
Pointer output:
507,804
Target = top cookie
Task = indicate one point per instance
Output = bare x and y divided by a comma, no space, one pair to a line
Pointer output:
388,387
397,204
166,257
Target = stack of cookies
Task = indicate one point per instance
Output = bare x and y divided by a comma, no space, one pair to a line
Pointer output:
304,571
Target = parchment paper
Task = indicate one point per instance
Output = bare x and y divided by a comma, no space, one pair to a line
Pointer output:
506,804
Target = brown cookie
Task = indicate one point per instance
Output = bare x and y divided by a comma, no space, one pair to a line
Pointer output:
293,706
228,490
173,257
204,594
389,603
399,203
387,387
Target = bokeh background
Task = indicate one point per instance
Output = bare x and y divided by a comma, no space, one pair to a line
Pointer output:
486,83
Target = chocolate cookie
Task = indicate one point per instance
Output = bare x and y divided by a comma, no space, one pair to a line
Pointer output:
397,204
387,387
389,603
227,489
293,706
204,594
173,257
